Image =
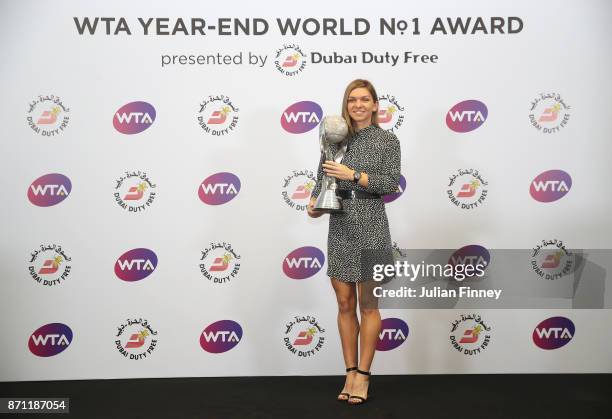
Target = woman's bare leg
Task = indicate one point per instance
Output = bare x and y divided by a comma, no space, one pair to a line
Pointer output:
368,337
348,326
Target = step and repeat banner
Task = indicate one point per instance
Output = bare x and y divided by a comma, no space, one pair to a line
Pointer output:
157,161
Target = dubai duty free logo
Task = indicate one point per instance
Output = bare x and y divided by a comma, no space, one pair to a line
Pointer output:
217,116
134,117
221,336
301,117
48,116
49,190
467,189
551,260
134,191
290,60
390,113
550,186
549,113
49,265
135,264
297,188
219,188
466,116
50,339
303,262
304,337
553,333
219,263
136,339
470,335
393,332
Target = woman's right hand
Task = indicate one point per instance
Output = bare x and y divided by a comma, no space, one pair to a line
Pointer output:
312,212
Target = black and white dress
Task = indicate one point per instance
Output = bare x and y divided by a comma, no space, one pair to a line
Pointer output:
364,224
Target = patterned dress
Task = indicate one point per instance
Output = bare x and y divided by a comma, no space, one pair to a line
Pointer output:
364,224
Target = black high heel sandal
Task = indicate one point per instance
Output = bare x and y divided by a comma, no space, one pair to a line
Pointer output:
348,396
363,400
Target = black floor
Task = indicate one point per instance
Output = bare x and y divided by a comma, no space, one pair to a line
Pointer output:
406,396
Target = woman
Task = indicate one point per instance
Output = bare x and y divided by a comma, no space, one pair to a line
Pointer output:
370,168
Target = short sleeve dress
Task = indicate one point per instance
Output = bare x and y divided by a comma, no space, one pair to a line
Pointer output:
364,224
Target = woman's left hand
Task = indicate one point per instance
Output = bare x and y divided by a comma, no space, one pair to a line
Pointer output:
337,170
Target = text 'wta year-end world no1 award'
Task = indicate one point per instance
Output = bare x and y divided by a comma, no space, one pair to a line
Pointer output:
333,131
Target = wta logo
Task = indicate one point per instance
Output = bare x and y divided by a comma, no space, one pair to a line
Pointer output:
393,333
466,116
303,262
134,117
219,188
135,264
550,186
220,336
50,339
553,333
301,117
49,190
474,256
400,190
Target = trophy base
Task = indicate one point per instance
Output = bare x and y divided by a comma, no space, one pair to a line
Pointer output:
328,202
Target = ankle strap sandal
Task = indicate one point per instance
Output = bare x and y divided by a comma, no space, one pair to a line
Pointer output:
362,400
342,397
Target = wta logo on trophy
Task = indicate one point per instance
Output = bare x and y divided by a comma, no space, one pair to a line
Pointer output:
393,332
400,190
48,116
50,339
220,336
466,116
219,188
553,333
550,186
301,117
49,265
218,116
49,190
303,262
134,117
136,339
390,113
135,264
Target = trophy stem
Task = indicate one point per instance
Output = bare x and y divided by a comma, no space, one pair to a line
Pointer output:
328,201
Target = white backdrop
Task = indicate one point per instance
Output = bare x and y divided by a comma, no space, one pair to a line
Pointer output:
562,49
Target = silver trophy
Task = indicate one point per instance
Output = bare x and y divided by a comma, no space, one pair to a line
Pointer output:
333,131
